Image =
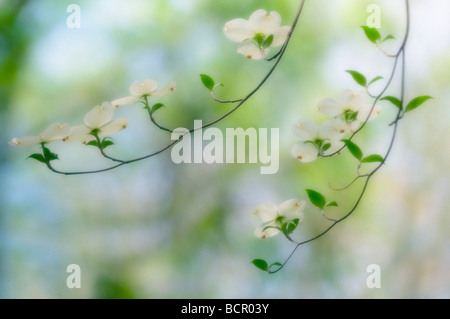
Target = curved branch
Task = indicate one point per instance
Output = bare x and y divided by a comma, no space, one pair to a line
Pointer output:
240,103
387,153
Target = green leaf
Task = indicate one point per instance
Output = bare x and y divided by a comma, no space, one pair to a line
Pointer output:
332,204
289,226
388,37
325,147
92,143
375,79
372,159
416,102
353,117
350,116
358,77
316,198
354,149
277,264
48,155
156,107
207,81
372,34
271,227
261,264
393,100
259,38
106,143
38,157
268,42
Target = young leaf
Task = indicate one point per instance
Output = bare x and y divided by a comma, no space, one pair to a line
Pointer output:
354,149
292,225
332,204
277,264
38,157
207,81
372,34
358,77
325,147
416,102
316,198
375,79
259,38
156,107
106,143
218,84
268,42
261,264
289,226
388,37
393,100
92,143
372,159
49,156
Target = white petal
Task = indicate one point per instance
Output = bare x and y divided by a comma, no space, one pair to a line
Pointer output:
99,115
25,141
353,126
55,132
304,152
164,90
78,134
268,232
333,129
292,209
238,30
125,101
138,88
352,101
364,112
260,22
345,100
266,212
359,100
114,126
329,107
251,51
305,130
280,36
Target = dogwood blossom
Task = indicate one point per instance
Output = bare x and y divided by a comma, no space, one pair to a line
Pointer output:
258,34
273,216
351,106
314,140
139,90
53,133
97,121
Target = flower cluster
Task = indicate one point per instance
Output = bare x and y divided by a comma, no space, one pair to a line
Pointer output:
274,217
258,34
98,122
347,113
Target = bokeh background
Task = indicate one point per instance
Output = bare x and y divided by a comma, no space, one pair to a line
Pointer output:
154,229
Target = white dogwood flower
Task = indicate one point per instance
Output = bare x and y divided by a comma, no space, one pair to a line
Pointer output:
314,140
272,216
139,90
97,121
53,133
353,107
258,34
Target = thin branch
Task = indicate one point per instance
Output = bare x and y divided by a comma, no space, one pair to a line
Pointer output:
223,101
240,103
387,153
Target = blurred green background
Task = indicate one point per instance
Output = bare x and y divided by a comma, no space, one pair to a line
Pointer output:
154,229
